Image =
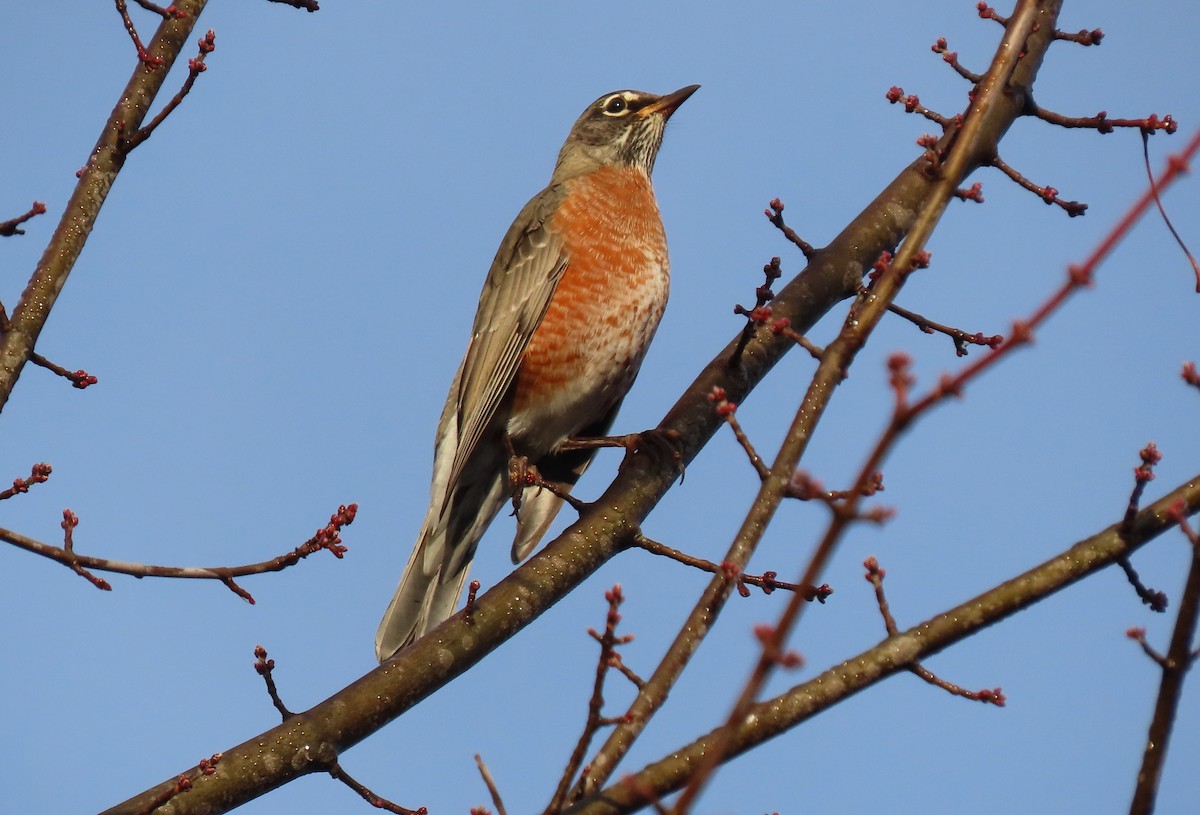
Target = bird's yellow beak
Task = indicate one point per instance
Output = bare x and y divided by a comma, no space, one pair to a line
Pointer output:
666,105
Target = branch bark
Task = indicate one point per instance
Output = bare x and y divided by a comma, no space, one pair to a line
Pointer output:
104,163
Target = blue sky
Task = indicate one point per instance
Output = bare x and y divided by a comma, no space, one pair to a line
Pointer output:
280,287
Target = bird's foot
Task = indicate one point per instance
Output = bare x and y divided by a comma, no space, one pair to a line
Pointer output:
656,441
522,474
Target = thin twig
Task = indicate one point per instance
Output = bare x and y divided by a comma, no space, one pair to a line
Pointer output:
1179,659
13,225
1162,211
196,66
960,338
912,104
327,538
1048,194
728,411
767,581
775,216
38,474
951,59
143,55
875,575
490,783
1102,124
265,668
608,644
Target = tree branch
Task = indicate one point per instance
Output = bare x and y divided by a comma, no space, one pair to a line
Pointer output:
95,181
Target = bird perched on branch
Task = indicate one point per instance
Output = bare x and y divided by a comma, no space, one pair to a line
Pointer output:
569,307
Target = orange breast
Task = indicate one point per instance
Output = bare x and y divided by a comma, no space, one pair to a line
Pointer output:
584,355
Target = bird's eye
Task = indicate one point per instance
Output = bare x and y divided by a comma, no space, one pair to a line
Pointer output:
616,105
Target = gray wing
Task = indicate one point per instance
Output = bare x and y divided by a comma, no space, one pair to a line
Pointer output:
523,277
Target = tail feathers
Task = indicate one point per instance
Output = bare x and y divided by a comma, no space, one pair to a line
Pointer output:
437,568
537,512
422,600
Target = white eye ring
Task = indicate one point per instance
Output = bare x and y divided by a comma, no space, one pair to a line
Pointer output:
616,105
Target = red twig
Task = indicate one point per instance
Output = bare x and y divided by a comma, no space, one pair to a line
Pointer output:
143,55
1143,474
972,193
1081,37
761,314
727,410
469,609
13,225
951,58
69,522
1138,635
38,474
912,104
196,66
79,379
775,216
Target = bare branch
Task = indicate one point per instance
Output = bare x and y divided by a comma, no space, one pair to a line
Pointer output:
1175,667
13,225
1048,194
767,581
327,538
960,338
875,575
491,786
775,216
39,474
196,66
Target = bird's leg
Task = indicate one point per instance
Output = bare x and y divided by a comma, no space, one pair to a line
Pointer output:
656,439
521,474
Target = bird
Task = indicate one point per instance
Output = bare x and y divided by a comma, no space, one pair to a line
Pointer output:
568,309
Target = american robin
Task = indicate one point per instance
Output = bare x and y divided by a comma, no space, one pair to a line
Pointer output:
567,312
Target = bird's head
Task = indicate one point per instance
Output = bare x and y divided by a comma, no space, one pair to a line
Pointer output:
619,128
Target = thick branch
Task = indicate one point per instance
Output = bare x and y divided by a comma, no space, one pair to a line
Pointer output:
96,179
